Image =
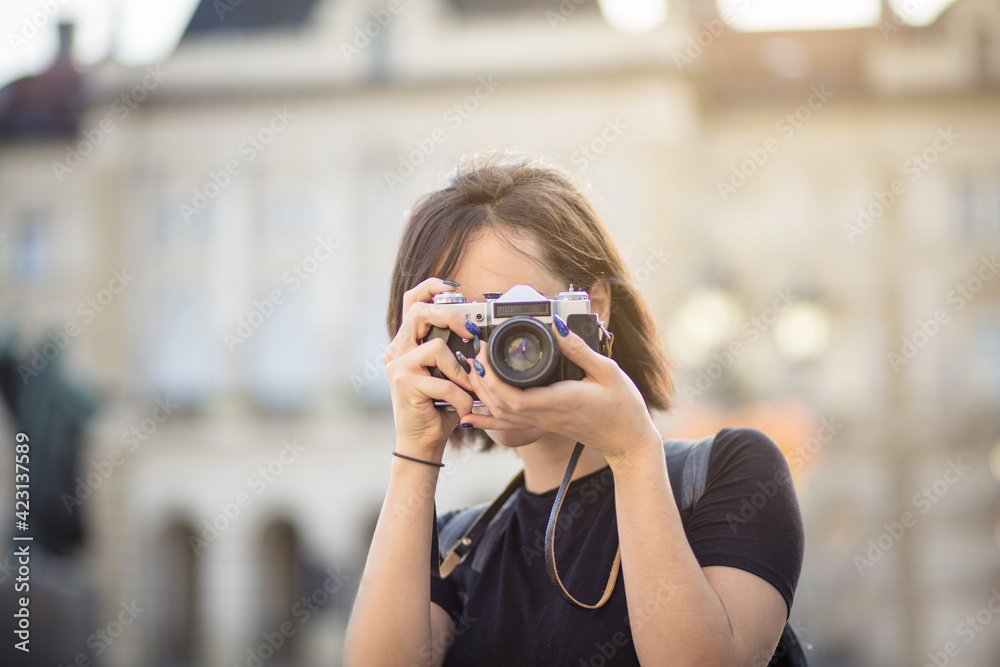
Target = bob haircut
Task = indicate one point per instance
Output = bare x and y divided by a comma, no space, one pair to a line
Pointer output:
516,196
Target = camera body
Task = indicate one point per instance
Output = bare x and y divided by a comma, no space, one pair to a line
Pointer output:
516,328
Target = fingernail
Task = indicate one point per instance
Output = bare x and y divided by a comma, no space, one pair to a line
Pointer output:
479,368
473,329
451,282
475,345
561,325
465,425
462,361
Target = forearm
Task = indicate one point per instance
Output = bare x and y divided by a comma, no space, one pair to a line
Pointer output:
675,615
390,623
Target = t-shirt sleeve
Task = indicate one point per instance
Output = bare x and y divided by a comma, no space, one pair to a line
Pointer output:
749,515
444,592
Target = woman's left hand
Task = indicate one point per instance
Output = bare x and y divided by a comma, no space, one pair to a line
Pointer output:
604,410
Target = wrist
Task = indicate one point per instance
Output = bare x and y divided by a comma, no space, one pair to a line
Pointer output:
645,450
429,453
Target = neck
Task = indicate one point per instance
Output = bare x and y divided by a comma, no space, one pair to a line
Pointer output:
545,462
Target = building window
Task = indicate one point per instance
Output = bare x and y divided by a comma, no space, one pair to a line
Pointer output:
32,250
186,363
977,205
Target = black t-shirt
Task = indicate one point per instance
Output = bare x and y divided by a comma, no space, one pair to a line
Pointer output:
747,518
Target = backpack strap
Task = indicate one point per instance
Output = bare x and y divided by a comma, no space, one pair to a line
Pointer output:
460,522
474,523
687,467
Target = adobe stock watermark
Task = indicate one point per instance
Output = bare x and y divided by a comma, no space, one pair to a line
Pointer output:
426,492
223,7
900,16
766,658
768,489
246,152
130,440
259,481
608,651
698,43
374,368
566,9
120,108
928,329
751,330
592,491
33,22
454,116
914,167
371,29
302,611
437,646
88,310
923,501
786,127
295,276
103,638
584,155
968,629
655,260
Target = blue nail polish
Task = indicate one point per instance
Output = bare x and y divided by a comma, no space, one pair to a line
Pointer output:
479,368
561,325
451,282
473,329
475,345
465,425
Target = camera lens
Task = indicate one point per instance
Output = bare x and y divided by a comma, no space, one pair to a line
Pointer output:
523,352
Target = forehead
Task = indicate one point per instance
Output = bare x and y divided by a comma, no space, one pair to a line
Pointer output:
493,264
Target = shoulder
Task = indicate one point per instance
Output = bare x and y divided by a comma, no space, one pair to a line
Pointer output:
748,516
743,454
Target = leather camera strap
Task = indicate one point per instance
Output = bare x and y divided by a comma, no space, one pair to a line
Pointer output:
550,553
456,554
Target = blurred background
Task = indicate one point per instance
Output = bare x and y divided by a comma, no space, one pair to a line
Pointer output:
200,203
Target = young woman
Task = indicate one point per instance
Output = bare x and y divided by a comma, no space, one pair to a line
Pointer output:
714,590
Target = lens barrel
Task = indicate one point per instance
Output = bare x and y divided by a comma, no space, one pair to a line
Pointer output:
523,352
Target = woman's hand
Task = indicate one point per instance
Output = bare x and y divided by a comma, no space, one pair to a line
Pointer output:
422,429
604,410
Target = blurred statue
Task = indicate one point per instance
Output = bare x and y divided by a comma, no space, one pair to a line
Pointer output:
53,412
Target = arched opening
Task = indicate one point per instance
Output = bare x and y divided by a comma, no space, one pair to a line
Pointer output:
280,586
179,591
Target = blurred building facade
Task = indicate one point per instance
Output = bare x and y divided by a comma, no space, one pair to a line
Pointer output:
813,215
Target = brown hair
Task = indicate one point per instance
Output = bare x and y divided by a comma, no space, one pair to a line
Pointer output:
526,196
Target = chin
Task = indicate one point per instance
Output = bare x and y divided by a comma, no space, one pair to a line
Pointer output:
516,437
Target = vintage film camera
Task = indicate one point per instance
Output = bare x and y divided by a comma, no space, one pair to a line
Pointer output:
516,330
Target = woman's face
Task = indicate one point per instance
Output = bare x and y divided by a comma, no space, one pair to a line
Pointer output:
491,265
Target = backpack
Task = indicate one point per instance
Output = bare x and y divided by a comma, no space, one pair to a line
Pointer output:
476,528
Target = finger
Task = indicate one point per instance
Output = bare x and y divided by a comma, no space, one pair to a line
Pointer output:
574,348
419,320
505,401
421,388
434,353
479,369
425,291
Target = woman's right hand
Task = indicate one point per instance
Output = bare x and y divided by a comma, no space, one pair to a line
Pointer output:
422,429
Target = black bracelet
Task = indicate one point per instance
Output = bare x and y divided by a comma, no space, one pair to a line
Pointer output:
410,458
